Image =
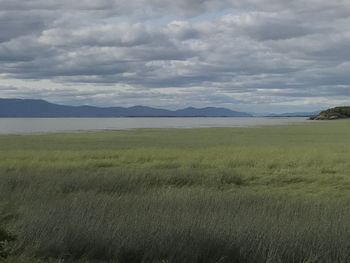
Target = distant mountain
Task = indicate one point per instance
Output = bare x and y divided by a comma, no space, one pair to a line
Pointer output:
210,112
12,108
294,114
333,114
260,114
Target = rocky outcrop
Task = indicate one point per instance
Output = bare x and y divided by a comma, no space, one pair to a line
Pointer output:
333,114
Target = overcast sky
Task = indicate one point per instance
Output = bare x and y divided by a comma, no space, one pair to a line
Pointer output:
250,55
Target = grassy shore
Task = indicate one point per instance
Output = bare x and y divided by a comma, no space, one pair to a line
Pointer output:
271,194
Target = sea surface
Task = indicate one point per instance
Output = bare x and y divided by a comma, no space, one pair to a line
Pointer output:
44,125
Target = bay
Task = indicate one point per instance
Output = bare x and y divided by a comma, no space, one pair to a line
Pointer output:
44,125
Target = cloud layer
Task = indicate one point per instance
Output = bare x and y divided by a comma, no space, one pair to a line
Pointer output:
258,55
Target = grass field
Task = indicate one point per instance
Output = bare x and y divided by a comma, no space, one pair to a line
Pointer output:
271,194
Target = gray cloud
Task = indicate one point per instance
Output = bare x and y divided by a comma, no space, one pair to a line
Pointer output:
248,53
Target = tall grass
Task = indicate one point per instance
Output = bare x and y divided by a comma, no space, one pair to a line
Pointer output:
275,194
183,226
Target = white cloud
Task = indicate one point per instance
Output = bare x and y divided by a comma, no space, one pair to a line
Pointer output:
251,53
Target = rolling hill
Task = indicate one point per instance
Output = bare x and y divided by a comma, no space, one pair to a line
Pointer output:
334,113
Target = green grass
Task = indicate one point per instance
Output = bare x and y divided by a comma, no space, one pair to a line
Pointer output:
271,194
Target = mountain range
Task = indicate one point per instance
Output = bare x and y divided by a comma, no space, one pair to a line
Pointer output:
294,114
13,108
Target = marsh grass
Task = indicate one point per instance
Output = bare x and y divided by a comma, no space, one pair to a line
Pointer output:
274,194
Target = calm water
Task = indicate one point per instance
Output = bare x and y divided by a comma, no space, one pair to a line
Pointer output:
42,125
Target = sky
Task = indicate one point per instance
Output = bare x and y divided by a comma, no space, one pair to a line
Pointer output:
248,55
